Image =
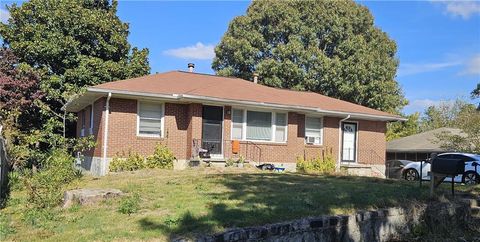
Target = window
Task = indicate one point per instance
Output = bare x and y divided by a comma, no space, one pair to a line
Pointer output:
259,126
313,130
280,127
237,124
150,117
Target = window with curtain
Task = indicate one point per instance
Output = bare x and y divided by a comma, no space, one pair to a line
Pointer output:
237,124
150,119
280,127
259,125
313,128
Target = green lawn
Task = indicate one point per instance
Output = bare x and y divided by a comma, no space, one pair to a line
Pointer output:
205,201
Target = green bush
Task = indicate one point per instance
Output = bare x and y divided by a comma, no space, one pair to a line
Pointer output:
46,186
133,161
130,204
161,158
317,165
229,162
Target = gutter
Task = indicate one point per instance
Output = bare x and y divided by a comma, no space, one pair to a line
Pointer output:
188,97
105,135
339,160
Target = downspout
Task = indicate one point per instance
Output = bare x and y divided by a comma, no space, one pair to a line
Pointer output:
105,135
340,141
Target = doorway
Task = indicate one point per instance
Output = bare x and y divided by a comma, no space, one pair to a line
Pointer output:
349,142
212,130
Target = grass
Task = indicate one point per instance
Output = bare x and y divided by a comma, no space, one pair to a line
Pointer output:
184,203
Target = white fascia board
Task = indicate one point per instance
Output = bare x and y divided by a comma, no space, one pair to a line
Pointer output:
188,97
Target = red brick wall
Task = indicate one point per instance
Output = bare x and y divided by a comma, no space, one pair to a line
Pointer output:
371,142
123,129
194,130
183,123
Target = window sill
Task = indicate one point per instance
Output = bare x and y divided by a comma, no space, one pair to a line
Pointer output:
259,142
149,137
314,145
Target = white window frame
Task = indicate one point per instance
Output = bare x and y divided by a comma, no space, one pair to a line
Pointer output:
272,125
162,119
82,123
243,124
321,129
90,127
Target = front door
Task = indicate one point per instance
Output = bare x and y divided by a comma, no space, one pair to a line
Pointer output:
212,127
349,142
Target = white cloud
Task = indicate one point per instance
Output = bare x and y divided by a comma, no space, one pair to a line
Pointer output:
411,69
198,51
473,65
464,9
4,15
419,105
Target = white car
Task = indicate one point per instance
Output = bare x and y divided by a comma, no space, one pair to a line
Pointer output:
411,172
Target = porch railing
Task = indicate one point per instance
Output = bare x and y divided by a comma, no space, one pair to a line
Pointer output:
249,150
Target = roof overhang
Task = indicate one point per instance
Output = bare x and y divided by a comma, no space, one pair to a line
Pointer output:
93,94
416,150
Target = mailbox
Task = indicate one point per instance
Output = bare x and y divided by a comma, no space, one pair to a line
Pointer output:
448,166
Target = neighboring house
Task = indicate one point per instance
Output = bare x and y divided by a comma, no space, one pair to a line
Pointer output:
418,147
186,111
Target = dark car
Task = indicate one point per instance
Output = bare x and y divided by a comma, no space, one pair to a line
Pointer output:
393,168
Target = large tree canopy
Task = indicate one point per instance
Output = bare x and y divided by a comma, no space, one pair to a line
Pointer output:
59,47
75,42
330,47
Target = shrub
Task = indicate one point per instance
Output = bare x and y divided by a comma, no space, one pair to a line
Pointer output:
241,160
161,158
229,162
317,165
133,161
130,204
45,187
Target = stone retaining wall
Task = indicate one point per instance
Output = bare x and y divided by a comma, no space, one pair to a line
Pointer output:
379,225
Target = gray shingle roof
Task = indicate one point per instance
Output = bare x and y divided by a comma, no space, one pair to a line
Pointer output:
422,142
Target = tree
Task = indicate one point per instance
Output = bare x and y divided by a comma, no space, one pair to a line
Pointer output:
77,43
19,89
19,84
476,91
397,130
70,44
445,114
476,94
468,121
329,47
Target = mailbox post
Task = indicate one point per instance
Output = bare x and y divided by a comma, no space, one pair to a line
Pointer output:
443,168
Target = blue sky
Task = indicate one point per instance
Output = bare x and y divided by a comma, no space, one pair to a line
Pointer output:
438,42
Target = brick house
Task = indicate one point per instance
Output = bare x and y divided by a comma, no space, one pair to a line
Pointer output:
186,111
